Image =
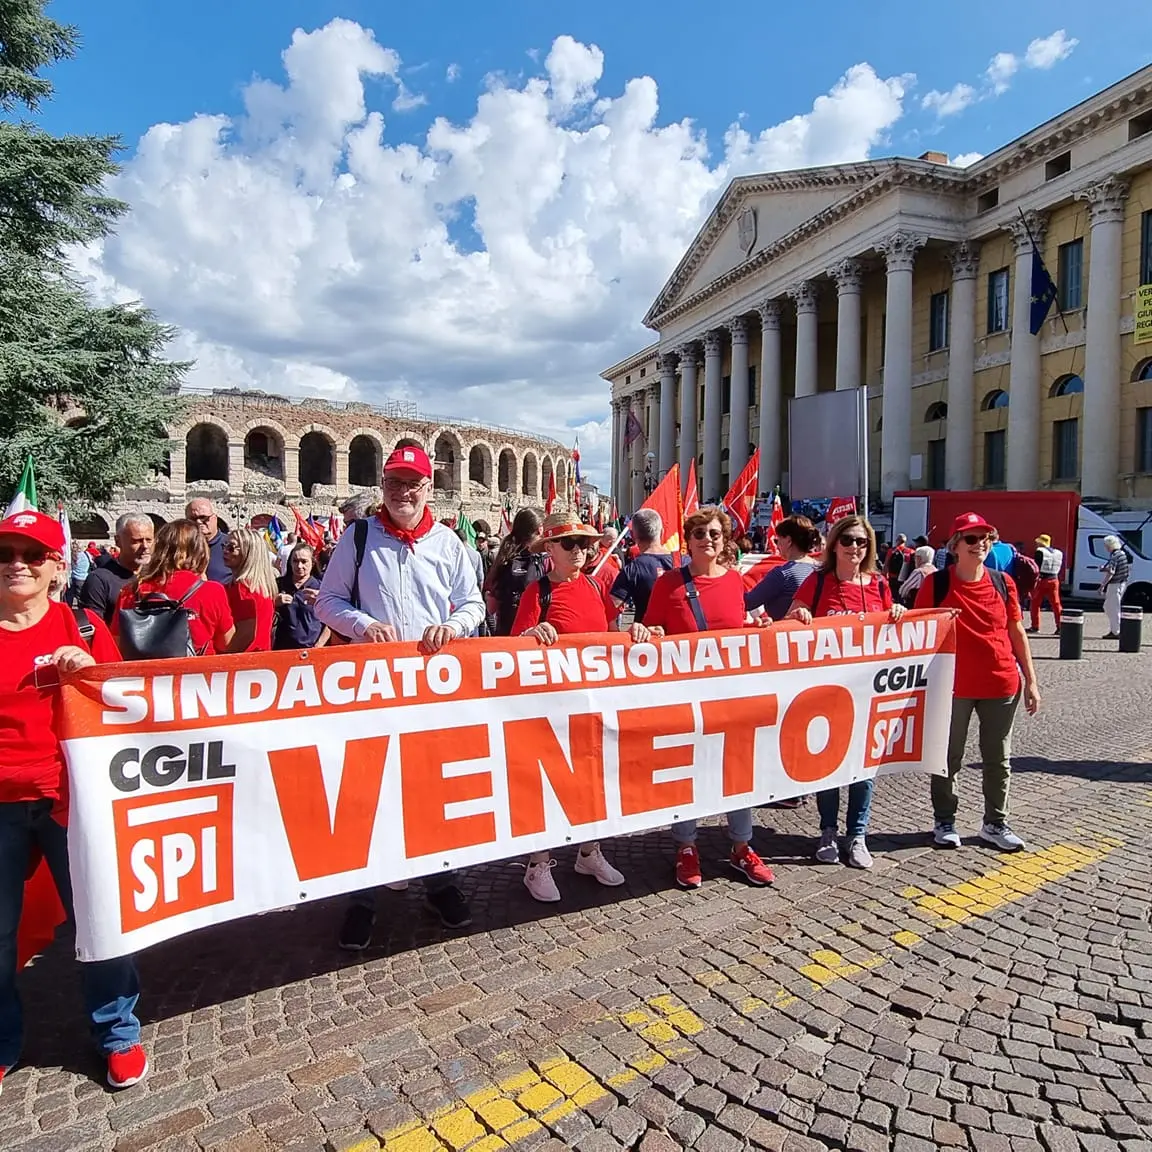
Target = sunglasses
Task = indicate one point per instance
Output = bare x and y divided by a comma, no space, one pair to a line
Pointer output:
853,541
33,557
572,543
707,534
972,541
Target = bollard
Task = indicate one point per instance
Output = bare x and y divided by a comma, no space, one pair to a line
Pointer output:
1131,624
1072,634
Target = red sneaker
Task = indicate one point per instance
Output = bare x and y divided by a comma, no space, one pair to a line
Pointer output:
688,867
751,867
128,1067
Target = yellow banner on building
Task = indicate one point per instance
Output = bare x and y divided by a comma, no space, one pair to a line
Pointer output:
1143,331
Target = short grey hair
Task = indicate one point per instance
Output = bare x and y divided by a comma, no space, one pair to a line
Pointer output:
132,518
647,526
357,507
924,556
1112,543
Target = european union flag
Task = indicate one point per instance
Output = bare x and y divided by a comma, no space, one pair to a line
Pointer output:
1043,292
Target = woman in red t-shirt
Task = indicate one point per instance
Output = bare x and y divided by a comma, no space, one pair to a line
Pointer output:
39,639
177,564
991,650
719,597
846,583
251,591
563,602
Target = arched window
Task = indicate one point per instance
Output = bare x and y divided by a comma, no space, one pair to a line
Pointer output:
1143,371
264,453
937,411
997,398
207,453
507,475
1067,386
364,463
317,461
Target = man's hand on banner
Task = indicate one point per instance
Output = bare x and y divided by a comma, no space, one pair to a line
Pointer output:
378,633
436,637
640,634
545,633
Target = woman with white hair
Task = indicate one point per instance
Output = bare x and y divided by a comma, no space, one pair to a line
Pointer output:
1115,581
922,567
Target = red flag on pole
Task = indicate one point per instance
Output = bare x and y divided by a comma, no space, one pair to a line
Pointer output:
741,498
551,494
665,500
306,531
840,507
691,491
775,521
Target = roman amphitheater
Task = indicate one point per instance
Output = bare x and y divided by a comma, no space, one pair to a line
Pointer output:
256,454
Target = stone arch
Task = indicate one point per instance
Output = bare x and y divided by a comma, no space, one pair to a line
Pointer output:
317,457
206,448
530,486
95,524
1070,385
365,458
158,522
409,440
506,471
938,410
264,442
447,462
996,398
1143,370
547,472
480,465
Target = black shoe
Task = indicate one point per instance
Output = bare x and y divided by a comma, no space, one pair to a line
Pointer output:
791,802
1030,631
451,906
1111,636
356,932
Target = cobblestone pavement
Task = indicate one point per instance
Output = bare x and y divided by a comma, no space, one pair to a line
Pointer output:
959,999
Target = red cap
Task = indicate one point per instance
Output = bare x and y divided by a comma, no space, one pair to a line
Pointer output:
44,530
409,459
966,521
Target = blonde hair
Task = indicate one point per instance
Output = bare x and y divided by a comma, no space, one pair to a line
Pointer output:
868,564
255,572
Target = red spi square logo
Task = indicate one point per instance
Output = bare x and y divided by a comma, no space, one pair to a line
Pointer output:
895,730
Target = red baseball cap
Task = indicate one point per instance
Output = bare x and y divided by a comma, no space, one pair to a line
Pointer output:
966,521
44,530
409,459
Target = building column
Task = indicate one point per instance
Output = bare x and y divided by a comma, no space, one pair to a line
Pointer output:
652,441
177,469
713,405
689,434
899,251
1024,372
236,469
738,407
960,454
807,320
341,474
666,456
771,395
847,275
614,468
1100,431
292,470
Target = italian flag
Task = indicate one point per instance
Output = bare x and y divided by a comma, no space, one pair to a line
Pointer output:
25,498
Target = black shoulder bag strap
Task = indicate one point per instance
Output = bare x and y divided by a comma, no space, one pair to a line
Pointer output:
360,536
693,597
939,586
198,584
84,625
545,588
821,576
997,578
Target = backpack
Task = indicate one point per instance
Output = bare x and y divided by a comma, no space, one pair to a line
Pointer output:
822,576
545,588
156,627
360,539
1026,573
942,576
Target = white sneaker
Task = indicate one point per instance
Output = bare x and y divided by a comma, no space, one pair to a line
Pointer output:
397,886
858,854
1002,836
594,864
829,850
538,880
945,834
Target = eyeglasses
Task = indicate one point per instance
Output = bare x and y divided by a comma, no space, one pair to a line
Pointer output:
853,541
395,484
572,543
707,534
231,547
201,519
33,557
972,541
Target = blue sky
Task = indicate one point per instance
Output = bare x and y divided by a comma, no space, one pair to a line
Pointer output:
487,320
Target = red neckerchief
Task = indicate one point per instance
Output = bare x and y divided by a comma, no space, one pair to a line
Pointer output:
407,536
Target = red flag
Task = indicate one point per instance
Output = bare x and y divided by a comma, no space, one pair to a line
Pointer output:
505,520
665,500
776,520
741,498
691,491
551,494
840,507
306,531
335,526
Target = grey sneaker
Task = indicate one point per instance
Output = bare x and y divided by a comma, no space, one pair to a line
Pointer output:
945,834
858,854
829,850
1002,836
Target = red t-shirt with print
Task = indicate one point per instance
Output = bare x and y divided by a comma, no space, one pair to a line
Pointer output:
211,618
986,667
576,606
721,601
845,597
31,763
247,604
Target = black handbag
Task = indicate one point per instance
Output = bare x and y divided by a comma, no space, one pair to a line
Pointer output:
156,627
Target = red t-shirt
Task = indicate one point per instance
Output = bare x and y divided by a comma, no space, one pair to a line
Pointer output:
31,763
211,618
845,598
986,667
721,601
577,606
249,605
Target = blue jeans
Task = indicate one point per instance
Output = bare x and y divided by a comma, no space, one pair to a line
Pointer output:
111,987
859,807
739,828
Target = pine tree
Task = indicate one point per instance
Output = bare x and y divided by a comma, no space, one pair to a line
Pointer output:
59,353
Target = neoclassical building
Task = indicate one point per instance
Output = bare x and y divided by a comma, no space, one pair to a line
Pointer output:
913,279
256,454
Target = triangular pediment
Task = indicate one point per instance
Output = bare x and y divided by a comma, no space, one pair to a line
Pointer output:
754,213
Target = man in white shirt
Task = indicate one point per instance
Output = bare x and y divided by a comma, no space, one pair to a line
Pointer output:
415,583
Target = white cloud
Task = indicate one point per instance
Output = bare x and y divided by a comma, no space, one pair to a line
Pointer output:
406,99
490,270
1000,71
949,103
966,159
1049,51
452,74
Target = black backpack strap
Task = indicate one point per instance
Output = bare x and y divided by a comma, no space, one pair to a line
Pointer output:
999,584
693,596
360,538
197,585
84,625
821,576
545,587
939,586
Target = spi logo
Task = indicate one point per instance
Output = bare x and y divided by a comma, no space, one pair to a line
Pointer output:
175,853
895,730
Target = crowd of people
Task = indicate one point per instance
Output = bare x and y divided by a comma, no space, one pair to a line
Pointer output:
396,574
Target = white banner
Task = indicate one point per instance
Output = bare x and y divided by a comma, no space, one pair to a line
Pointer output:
208,789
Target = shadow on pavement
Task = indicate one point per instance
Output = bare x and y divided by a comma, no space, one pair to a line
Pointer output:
1118,772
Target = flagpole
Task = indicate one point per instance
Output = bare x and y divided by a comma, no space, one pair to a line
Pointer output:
1036,248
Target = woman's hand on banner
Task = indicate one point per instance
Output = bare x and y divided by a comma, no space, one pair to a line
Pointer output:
70,657
896,611
804,615
640,634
